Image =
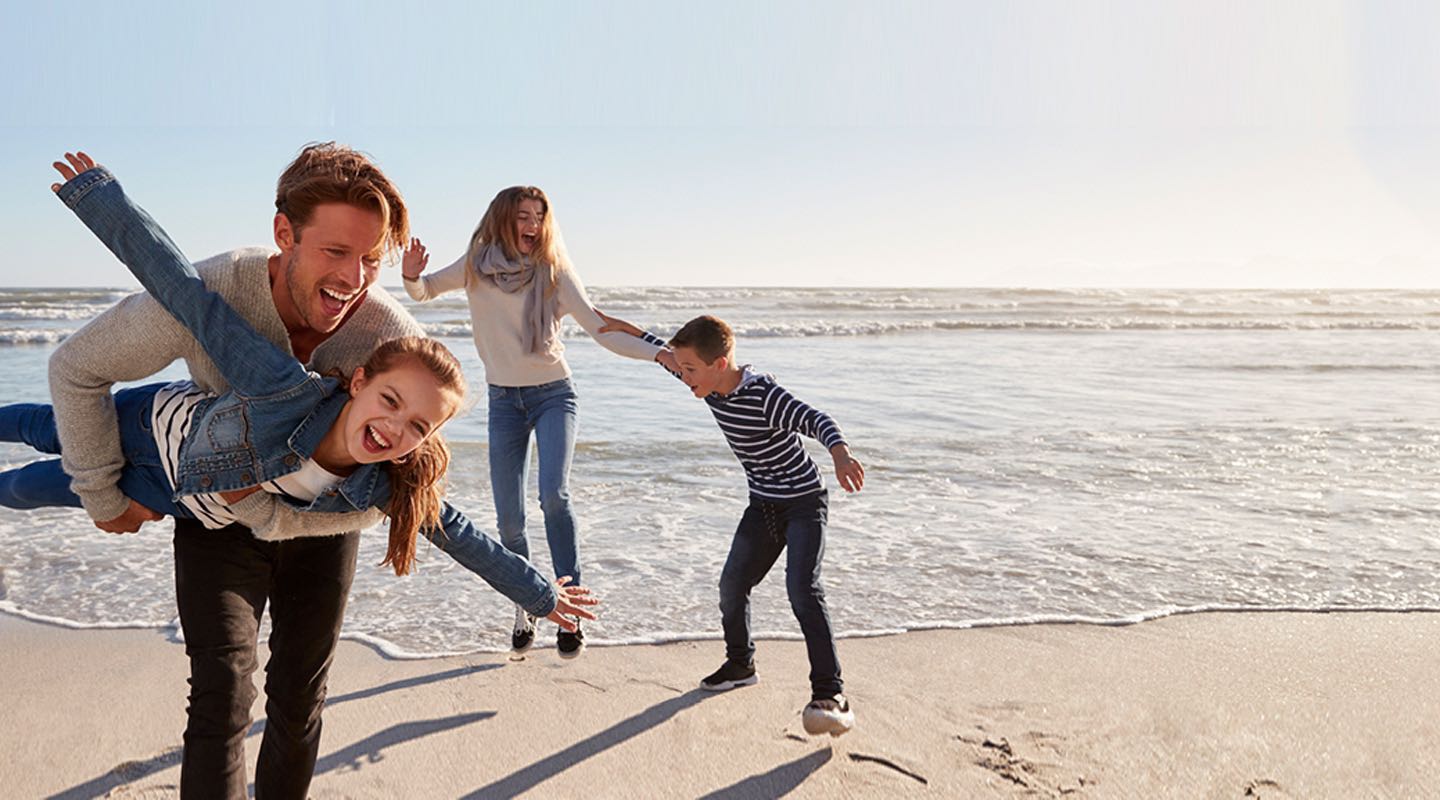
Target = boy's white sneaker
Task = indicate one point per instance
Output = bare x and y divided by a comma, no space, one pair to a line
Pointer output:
830,715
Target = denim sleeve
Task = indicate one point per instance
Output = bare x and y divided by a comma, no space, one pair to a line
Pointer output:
507,573
250,362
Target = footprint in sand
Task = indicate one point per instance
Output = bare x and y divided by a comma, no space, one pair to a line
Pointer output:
1266,789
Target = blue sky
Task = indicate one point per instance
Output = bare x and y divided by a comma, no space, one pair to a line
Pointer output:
811,144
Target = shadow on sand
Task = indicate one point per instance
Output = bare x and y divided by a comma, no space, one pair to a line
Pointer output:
528,778
778,782
369,748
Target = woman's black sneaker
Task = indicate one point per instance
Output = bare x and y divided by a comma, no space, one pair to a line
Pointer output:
730,675
570,644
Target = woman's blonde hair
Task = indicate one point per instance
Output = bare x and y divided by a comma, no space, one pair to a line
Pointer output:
417,482
498,226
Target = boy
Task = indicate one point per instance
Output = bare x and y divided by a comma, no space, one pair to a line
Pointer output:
787,511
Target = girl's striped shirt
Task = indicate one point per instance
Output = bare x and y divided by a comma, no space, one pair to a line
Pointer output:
172,415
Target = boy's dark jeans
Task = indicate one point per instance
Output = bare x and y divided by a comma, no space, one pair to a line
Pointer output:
223,579
768,527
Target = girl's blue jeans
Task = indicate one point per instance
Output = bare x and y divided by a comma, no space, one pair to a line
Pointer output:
42,484
548,410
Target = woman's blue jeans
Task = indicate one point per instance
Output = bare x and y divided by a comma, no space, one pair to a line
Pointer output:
42,484
548,410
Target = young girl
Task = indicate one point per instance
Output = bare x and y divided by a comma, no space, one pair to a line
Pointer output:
313,444
520,284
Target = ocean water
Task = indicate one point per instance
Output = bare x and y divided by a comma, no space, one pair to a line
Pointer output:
1097,455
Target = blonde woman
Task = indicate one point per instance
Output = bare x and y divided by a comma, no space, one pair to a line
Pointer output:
520,285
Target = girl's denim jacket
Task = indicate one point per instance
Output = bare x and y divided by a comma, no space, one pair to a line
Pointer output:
276,412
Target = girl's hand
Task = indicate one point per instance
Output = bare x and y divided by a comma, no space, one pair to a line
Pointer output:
79,162
415,260
569,602
617,325
848,470
239,494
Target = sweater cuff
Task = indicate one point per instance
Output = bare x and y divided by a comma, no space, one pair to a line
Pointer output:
104,505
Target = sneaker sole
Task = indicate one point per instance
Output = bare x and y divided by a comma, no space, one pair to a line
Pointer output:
573,653
728,685
830,725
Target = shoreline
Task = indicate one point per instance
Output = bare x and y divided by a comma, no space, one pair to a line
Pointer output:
1277,704
386,649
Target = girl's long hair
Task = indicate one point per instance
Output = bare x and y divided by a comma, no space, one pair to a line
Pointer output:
417,483
498,226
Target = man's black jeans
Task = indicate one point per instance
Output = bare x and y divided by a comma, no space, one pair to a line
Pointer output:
223,579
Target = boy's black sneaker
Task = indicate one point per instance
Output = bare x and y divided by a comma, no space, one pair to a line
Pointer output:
570,644
524,633
730,675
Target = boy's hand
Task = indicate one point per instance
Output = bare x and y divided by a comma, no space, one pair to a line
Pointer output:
617,325
415,261
79,162
666,359
848,469
569,600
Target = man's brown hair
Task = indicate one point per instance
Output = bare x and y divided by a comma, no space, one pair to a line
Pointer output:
708,336
326,172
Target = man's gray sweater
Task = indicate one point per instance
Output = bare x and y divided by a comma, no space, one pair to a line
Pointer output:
137,338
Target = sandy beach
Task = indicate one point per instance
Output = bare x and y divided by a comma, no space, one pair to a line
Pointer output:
1207,705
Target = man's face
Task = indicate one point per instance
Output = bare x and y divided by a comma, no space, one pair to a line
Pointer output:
333,259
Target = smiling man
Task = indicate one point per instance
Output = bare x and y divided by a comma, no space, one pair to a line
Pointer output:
336,217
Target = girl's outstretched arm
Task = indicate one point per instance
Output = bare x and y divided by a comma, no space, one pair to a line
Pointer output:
250,363
506,572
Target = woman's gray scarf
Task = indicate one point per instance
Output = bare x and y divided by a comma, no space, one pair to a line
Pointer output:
542,333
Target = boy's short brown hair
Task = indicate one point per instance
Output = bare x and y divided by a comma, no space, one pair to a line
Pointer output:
326,172
708,336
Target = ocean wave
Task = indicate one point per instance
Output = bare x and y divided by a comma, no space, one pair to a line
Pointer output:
854,328
22,336
101,296
50,312
14,610
1319,368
